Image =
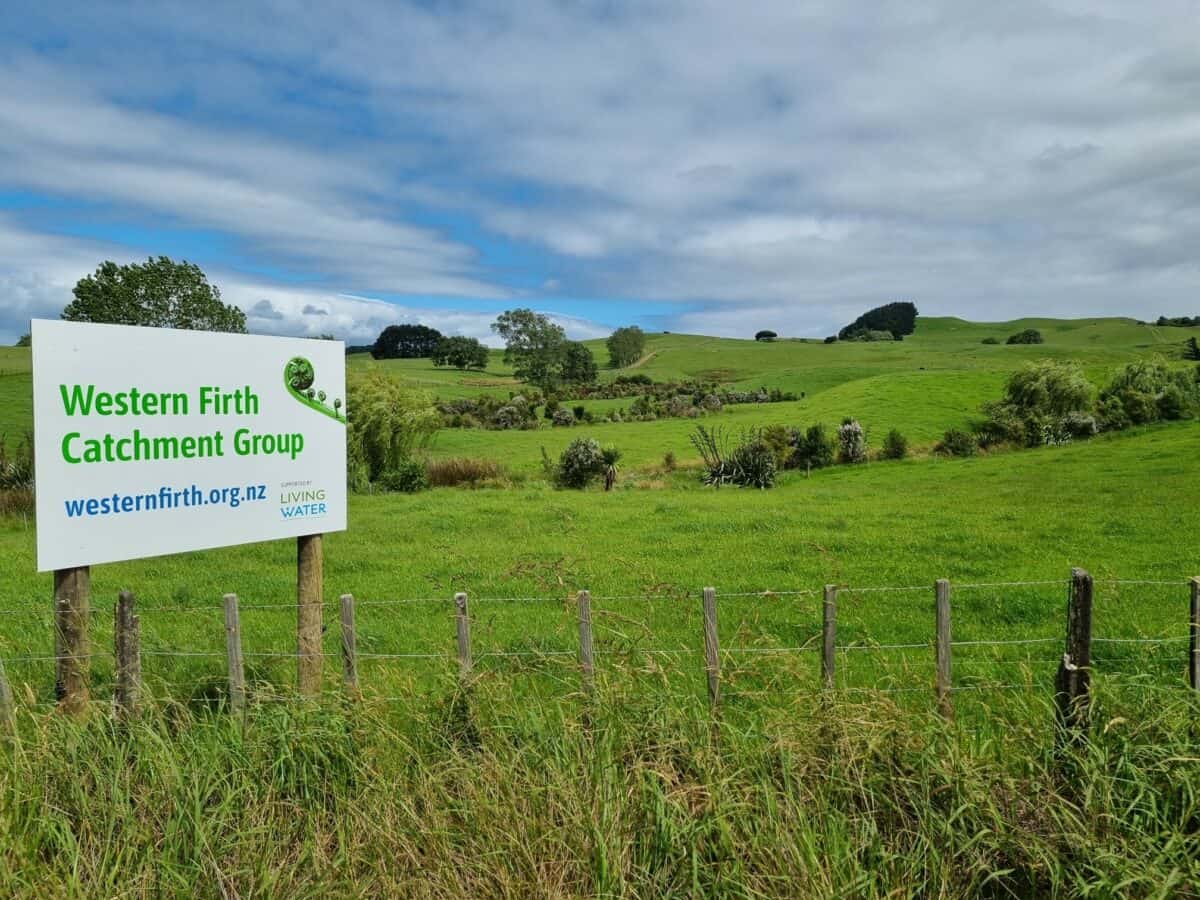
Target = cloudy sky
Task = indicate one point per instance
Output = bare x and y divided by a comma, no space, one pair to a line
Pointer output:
711,167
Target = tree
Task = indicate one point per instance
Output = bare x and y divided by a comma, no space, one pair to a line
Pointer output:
765,335
533,345
578,365
26,340
898,318
460,352
625,346
159,293
406,342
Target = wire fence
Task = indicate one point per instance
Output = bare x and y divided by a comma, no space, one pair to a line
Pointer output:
837,649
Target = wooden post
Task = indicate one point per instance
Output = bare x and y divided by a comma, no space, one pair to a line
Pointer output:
349,646
8,715
829,636
1073,684
945,704
127,630
712,647
1194,644
310,580
72,615
462,624
233,653
587,659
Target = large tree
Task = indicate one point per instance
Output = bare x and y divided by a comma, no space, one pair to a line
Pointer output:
533,345
578,365
625,346
159,293
406,342
460,352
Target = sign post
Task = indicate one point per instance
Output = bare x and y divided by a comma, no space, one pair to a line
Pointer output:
149,441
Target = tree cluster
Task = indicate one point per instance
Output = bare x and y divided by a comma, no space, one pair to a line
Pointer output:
1179,321
899,318
460,352
625,346
406,342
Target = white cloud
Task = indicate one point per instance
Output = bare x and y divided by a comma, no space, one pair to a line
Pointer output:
797,163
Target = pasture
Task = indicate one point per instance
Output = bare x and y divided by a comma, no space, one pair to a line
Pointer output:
514,783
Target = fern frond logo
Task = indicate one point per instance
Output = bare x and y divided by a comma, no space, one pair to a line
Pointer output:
299,377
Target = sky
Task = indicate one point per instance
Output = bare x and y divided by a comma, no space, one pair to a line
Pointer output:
706,167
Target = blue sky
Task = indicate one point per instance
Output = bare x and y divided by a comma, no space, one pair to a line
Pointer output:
694,166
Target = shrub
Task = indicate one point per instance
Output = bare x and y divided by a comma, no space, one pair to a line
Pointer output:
895,445
1028,336
765,335
507,417
832,339
990,340
749,464
563,418
386,422
580,413
753,465
1039,395
781,440
669,461
551,408
956,442
580,464
407,477
1149,391
852,442
463,470
16,477
814,450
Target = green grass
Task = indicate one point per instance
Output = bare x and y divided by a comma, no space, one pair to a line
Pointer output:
515,785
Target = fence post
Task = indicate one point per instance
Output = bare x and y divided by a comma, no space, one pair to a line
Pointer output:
8,715
586,653
310,579
72,613
233,654
1073,684
829,635
462,624
712,647
349,646
945,703
127,632
1194,644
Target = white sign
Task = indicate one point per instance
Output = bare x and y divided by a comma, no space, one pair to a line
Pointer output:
150,440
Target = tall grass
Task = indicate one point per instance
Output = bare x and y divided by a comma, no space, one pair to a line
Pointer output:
648,799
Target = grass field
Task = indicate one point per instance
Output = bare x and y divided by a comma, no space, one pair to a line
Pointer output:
515,785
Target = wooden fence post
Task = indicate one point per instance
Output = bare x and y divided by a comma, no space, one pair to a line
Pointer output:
349,646
712,647
462,624
233,654
127,632
829,636
8,714
945,703
1194,644
587,659
72,615
1073,684
310,583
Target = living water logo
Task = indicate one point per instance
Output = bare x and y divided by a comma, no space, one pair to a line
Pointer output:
299,500
299,376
